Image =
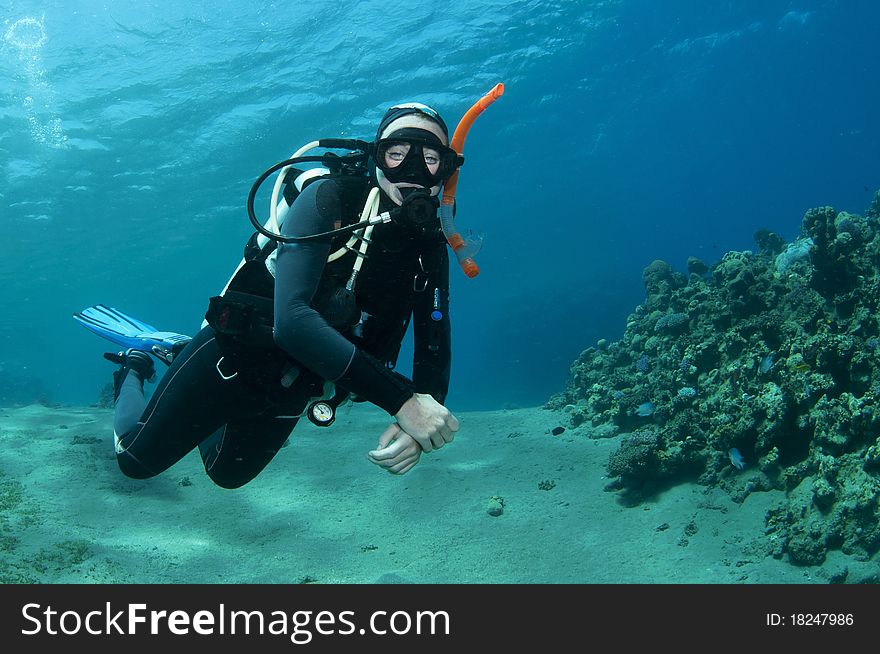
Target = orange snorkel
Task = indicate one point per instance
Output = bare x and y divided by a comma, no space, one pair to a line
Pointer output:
464,250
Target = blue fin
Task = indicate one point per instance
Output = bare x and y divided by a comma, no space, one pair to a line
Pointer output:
128,332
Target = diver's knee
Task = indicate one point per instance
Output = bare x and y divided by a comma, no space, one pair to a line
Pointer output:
133,468
228,483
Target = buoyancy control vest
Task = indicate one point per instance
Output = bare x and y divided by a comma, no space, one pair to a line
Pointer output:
375,318
243,314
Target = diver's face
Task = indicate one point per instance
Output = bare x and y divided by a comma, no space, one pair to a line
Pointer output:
396,153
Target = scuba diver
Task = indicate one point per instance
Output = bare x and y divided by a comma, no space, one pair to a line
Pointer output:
314,315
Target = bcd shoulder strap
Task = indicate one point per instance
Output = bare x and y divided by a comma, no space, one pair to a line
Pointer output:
354,189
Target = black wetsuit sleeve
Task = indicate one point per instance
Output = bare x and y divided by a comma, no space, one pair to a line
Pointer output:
432,348
300,330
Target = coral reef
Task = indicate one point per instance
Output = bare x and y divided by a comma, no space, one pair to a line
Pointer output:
775,353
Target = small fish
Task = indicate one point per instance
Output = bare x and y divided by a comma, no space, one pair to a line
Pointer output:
736,458
801,367
646,409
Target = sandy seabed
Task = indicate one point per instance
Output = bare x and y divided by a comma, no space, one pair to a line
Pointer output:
321,513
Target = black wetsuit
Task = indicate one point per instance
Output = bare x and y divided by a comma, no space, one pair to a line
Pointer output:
240,421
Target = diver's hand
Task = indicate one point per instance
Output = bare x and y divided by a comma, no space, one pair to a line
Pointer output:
397,452
427,421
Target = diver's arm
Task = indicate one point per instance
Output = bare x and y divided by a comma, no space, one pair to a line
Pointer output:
300,330
432,350
424,413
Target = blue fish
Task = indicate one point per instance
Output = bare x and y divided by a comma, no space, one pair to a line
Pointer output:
646,409
736,458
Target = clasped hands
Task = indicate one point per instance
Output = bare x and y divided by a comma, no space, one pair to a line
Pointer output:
423,424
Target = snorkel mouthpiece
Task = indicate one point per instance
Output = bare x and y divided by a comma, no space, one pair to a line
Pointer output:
465,248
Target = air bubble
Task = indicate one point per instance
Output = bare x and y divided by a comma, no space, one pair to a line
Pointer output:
26,34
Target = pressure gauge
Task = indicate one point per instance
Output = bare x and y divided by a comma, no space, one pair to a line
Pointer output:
322,414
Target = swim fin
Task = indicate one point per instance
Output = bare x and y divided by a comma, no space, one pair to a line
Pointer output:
131,333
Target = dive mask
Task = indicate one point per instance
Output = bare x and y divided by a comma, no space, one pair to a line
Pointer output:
411,150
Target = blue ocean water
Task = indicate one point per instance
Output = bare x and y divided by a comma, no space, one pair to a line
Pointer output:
630,130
